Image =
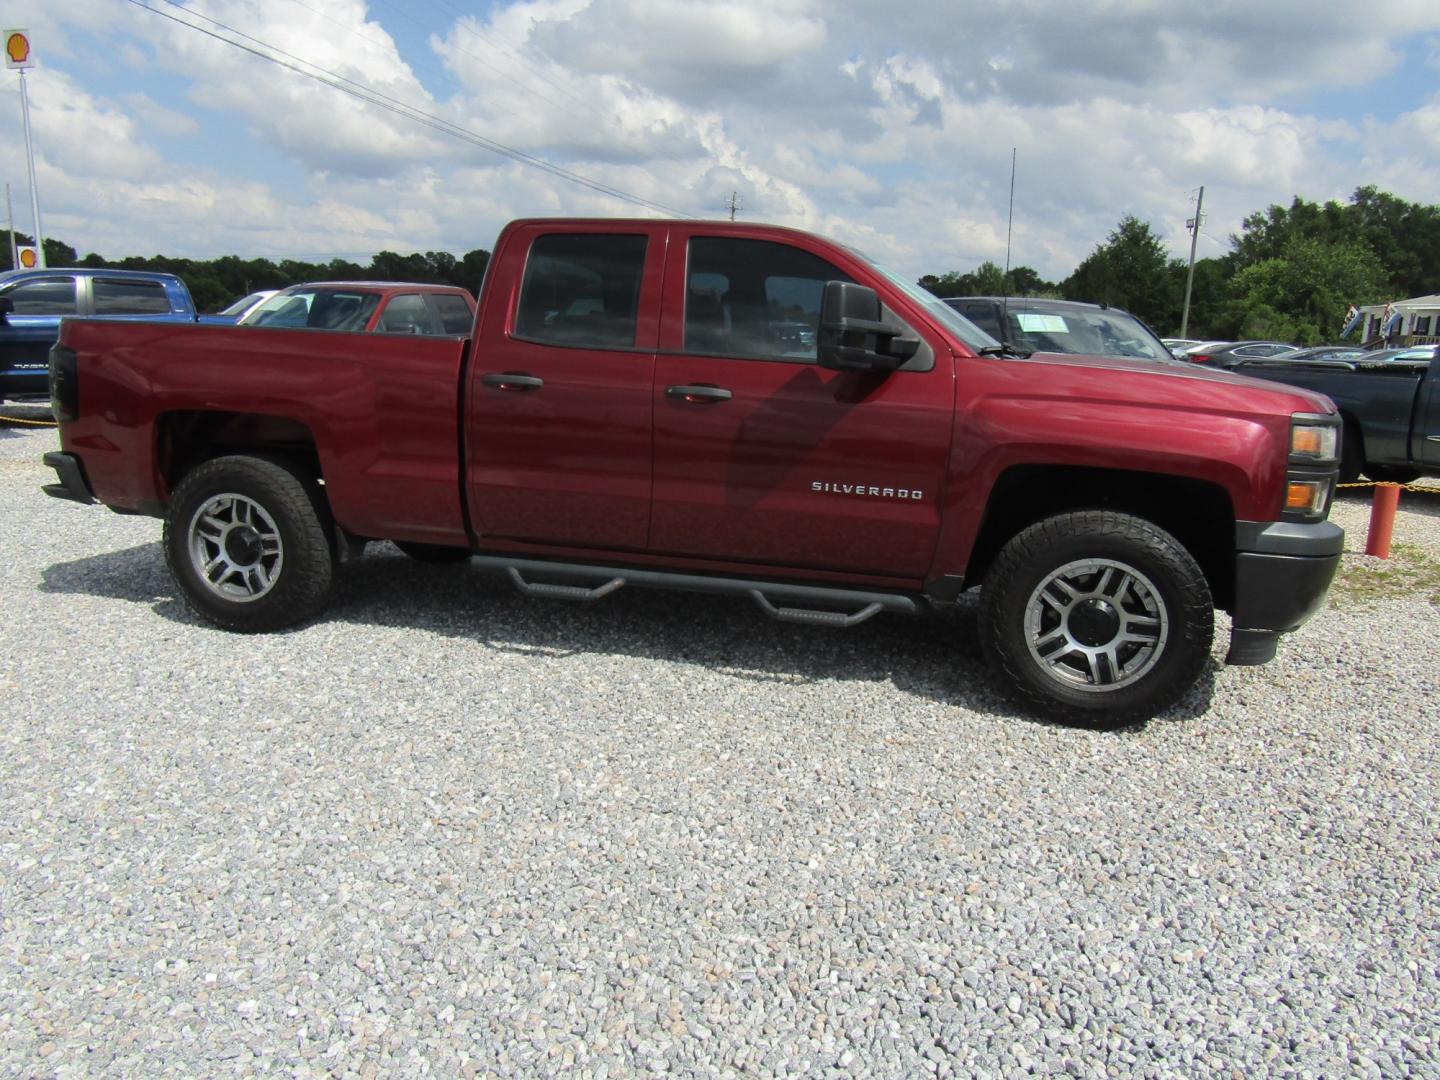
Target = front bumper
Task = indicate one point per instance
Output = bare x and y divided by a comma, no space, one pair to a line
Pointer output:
73,484
1282,572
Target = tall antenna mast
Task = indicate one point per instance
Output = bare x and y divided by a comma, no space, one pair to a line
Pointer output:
1005,281
733,204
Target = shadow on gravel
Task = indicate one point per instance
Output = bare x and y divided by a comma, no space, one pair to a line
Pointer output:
936,656
137,574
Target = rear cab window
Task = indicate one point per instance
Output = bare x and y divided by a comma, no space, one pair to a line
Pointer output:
316,309
406,313
454,312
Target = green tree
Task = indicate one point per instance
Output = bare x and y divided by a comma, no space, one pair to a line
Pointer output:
471,271
1302,295
1265,234
1405,236
1131,270
1212,311
987,279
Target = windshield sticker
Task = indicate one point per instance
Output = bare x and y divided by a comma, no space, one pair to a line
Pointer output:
1033,323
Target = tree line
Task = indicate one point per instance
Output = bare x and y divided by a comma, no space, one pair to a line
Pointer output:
1290,273
214,283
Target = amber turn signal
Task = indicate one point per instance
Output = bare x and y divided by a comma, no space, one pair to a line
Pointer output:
1305,495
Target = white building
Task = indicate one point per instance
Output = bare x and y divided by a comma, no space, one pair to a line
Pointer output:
1401,322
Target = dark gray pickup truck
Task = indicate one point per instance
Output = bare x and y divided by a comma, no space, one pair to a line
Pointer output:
1390,405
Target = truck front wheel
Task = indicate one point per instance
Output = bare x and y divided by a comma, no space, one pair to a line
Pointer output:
245,542
1097,617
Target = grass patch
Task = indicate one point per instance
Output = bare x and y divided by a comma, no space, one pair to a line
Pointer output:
1411,570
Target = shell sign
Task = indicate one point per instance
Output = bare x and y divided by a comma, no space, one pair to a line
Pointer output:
17,49
28,259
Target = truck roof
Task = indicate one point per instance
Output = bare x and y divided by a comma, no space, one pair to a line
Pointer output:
378,286
91,271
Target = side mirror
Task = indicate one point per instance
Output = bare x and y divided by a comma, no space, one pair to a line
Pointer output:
853,335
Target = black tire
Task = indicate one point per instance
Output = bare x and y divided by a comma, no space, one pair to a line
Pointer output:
1386,474
1352,454
245,540
1097,618
433,553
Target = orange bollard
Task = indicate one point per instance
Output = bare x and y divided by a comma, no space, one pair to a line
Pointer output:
1382,520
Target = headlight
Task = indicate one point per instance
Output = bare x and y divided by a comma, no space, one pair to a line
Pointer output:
1312,467
1314,442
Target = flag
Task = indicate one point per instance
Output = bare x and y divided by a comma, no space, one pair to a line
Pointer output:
1389,320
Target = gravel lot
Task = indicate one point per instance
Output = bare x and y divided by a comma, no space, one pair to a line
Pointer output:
450,831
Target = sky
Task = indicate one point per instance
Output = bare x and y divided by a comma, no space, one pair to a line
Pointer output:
890,127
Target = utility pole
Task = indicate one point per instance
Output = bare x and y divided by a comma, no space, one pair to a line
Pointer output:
733,204
1194,226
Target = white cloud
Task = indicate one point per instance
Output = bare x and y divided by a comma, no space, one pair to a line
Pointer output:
890,128
156,117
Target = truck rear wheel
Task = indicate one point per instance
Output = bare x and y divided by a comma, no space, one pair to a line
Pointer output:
1097,617
245,542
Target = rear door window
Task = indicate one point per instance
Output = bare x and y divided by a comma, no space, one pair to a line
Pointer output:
121,296
582,290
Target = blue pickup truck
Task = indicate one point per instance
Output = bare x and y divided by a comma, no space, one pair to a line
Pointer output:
32,303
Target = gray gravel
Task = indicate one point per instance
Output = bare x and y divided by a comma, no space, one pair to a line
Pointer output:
449,831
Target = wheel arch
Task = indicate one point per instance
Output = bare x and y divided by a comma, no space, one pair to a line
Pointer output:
187,438
1198,514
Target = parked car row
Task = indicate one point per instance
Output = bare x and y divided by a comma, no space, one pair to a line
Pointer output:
33,303
1227,354
1233,354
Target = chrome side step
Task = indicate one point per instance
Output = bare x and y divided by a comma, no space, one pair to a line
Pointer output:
779,600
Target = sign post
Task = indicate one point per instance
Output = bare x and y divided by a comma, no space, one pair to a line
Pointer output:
17,57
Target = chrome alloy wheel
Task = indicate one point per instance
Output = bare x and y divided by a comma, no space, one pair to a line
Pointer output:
235,547
1096,624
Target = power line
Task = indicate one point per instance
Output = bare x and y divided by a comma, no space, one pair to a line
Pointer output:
463,26
360,91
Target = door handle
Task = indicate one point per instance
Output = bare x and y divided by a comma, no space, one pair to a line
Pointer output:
698,393
510,380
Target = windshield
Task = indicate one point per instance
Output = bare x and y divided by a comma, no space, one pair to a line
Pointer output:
1054,326
316,308
936,308
239,307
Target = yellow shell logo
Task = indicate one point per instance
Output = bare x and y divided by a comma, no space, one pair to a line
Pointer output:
17,48
27,258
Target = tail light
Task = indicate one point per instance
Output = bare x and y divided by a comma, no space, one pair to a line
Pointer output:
64,383
1199,358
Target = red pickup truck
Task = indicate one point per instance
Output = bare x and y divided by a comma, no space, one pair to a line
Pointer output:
726,408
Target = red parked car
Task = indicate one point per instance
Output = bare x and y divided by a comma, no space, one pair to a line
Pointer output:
382,307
